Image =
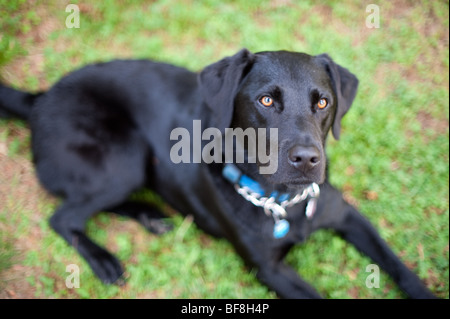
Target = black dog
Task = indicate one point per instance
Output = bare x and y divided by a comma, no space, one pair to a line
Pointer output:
104,131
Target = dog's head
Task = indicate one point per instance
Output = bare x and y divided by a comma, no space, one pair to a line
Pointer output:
302,96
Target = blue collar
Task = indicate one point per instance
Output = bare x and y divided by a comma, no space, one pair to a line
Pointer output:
235,176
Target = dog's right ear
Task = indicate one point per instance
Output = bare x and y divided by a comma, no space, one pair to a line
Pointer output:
219,83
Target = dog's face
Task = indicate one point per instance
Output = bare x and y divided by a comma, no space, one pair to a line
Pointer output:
302,96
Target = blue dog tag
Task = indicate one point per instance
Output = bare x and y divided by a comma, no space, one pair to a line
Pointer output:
281,228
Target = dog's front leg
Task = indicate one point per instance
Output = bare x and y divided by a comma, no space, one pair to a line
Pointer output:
285,281
356,229
267,259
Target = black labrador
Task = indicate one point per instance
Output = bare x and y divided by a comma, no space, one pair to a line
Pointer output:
107,130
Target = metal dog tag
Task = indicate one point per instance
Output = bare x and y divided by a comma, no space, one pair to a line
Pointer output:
281,228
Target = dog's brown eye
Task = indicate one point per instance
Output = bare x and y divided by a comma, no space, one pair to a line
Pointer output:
266,101
322,103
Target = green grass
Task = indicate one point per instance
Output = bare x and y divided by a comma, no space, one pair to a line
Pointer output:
392,160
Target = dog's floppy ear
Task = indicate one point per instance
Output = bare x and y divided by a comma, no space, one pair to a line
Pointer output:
345,86
219,83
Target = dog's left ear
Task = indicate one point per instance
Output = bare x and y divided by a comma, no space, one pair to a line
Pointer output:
219,83
345,86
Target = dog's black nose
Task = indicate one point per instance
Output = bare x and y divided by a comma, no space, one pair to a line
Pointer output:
304,158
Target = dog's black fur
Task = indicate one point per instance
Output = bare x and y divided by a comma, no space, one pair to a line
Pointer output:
103,131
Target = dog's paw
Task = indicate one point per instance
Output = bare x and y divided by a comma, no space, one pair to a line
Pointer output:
108,269
156,226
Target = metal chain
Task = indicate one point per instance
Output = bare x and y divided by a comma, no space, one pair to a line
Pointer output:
273,208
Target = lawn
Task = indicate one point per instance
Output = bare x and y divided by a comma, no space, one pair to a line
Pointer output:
392,160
